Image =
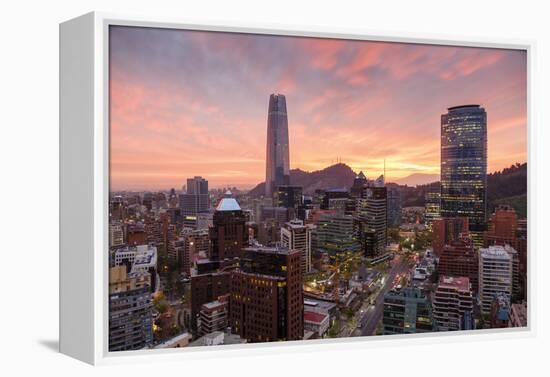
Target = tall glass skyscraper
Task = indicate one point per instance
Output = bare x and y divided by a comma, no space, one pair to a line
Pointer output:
464,165
277,154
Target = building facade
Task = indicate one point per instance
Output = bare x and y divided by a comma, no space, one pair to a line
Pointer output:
214,316
452,299
277,149
446,230
459,258
372,213
229,234
406,311
266,302
194,201
297,236
335,235
495,275
130,310
464,165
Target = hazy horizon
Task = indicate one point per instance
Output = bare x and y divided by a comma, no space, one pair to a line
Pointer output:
187,103
249,187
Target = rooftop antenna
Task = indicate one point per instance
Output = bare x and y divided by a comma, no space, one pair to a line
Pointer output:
384,169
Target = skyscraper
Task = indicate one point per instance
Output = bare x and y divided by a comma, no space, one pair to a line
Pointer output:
458,258
394,207
266,302
297,236
432,205
228,234
372,210
495,275
277,150
451,301
194,201
464,165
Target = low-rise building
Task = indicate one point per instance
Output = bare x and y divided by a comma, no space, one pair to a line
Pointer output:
316,322
518,315
130,310
452,299
217,338
213,316
500,310
179,341
406,311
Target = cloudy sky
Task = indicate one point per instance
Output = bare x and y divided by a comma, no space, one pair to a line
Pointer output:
186,103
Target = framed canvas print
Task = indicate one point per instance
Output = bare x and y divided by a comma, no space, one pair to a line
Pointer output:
225,187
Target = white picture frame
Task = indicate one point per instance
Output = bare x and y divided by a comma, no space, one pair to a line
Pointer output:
84,177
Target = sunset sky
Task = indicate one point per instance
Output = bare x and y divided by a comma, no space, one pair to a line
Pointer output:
186,103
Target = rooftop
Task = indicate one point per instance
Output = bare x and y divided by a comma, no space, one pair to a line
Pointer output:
228,203
218,337
319,304
270,250
496,251
463,107
214,304
173,341
462,283
314,317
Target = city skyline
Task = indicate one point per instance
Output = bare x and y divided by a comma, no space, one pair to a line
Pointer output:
174,116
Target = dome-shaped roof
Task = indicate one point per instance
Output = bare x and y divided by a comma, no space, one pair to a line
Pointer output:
228,203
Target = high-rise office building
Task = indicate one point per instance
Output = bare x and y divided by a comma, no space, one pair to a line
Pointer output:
502,227
335,235
277,150
460,259
495,275
206,287
394,207
407,311
464,166
432,205
372,211
194,201
297,236
116,234
452,299
266,302
228,235
130,310
192,245
446,230
287,197
359,182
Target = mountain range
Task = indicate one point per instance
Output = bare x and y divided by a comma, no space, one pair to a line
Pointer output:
508,186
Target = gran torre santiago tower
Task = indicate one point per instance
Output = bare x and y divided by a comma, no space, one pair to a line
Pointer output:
277,172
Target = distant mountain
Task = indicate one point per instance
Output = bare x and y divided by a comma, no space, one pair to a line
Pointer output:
417,179
335,176
508,186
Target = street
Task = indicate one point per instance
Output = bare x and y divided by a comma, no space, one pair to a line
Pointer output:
373,314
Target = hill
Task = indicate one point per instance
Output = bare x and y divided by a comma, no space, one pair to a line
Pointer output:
417,179
508,186
335,176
